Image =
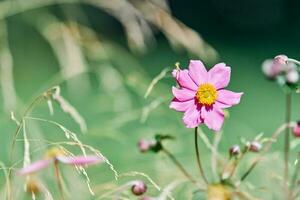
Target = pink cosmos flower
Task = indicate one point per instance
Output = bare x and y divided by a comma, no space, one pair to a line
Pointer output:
201,94
56,155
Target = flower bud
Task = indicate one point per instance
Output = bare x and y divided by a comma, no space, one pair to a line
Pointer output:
296,130
281,59
145,145
292,76
138,188
218,192
234,150
271,68
254,146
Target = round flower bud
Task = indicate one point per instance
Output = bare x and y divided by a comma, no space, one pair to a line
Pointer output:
296,130
281,59
234,150
138,188
254,146
144,145
271,68
292,76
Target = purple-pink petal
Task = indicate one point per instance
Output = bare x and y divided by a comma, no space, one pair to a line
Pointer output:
181,106
34,167
192,117
184,80
198,72
213,117
228,97
79,160
219,75
183,94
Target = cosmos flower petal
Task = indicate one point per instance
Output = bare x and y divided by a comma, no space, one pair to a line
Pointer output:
79,160
183,94
221,105
219,75
181,106
34,167
228,97
213,117
198,72
192,117
184,80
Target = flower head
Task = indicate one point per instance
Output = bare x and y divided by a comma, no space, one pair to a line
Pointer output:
57,155
201,94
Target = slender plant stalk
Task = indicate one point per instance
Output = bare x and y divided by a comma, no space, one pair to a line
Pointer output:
295,177
198,156
26,112
58,180
180,167
288,103
267,146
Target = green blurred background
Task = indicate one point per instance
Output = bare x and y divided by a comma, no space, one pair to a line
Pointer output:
110,96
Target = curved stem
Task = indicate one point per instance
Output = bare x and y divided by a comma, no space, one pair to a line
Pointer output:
12,147
267,147
288,102
180,167
198,156
58,180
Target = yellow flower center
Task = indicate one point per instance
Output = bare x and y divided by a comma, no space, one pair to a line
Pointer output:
206,94
53,152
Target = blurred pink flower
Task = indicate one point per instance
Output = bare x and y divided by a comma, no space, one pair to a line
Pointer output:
202,96
296,130
56,155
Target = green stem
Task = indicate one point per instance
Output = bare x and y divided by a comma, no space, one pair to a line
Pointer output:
295,176
287,140
58,180
198,156
266,148
180,167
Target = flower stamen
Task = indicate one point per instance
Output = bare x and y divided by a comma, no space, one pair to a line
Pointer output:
206,94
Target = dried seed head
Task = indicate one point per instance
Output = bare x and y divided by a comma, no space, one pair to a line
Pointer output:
32,187
234,150
138,188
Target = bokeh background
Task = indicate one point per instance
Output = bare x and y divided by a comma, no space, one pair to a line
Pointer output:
84,48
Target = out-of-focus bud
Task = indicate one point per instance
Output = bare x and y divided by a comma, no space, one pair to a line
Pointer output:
281,59
32,187
292,76
234,150
296,130
271,68
218,192
145,145
254,146
138,188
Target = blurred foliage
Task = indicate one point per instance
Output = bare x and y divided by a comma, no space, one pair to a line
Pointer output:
72,44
